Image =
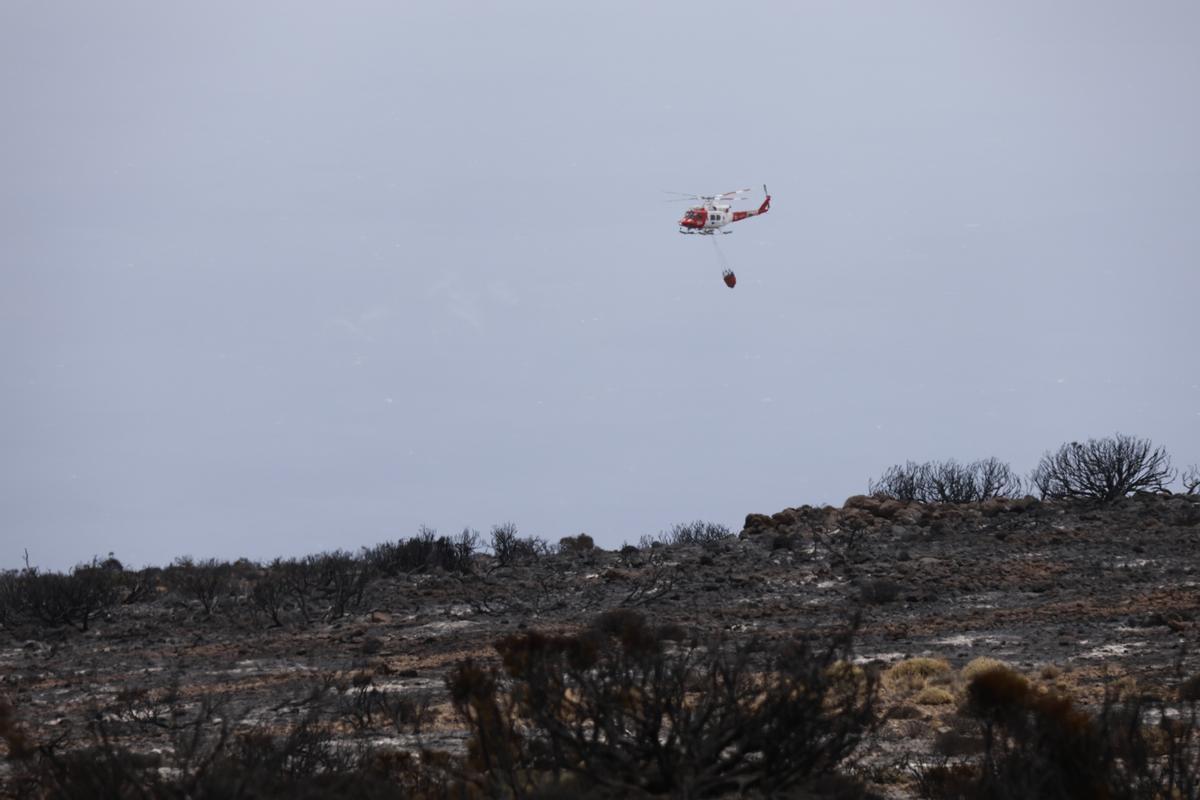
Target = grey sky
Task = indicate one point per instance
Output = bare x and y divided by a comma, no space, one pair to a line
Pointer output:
285,277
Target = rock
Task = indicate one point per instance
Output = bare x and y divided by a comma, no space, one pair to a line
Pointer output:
854,519
888,509
784,518
864,502
756,524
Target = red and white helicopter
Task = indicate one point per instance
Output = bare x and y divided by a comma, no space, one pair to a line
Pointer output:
714,215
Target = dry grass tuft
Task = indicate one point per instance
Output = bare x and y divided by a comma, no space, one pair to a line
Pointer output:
922,667
913,674
1049,672
934,696
977,666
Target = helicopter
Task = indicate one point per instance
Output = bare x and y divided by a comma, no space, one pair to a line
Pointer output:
714,214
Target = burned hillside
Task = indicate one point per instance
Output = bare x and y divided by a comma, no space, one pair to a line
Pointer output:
354,661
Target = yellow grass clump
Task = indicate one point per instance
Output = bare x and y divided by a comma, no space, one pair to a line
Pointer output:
933,696
919,667
978,666
912,674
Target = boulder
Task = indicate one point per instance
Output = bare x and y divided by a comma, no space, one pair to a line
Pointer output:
864,502
756,524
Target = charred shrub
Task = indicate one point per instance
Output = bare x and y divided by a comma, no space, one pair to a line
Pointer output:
509,548
576,544
269,593
1103,469
323,586
12,600
698,532
366,706
904,482
211,757
326,585
141,586
207,582
617,708
424,552
947,482
54,599
685,533
343,580
1191,480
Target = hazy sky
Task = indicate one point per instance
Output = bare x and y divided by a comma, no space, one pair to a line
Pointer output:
285,277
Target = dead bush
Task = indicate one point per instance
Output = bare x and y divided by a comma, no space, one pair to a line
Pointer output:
269,592
697,532
509,548
576,544
424,552
615,709
210,758
947,482
366,706
207,582
1103,469
1191,480
54,599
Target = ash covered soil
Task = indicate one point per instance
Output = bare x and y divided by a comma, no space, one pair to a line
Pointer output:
1077,595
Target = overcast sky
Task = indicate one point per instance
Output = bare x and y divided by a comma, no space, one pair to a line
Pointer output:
285,277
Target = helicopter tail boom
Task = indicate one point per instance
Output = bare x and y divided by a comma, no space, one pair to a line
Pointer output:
764,208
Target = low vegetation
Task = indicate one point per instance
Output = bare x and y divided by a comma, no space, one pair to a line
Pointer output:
686,533
1191,479
53,600
947,482
1103,469
1030,741
617,708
